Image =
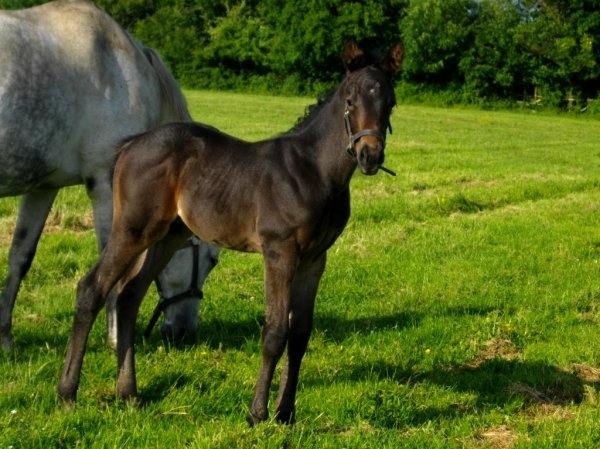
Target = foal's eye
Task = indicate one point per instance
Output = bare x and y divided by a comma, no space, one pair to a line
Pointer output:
349,104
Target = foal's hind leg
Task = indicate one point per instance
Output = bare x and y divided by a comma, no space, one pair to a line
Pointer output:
92,290
33,211
304,291
130,298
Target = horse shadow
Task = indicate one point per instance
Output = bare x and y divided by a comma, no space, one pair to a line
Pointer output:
241,334
245,335
236,334
493,384
496,382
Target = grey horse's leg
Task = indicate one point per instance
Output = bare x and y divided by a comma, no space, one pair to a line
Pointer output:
33,211
99,190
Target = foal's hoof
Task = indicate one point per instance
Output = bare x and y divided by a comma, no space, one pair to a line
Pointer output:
126,389
67,400
286,416
68,406
253,419
6,341
6,344
130,397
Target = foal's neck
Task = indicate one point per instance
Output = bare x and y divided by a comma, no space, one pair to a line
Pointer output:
328,137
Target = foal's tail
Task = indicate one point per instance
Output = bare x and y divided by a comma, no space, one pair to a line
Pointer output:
171,93
119,149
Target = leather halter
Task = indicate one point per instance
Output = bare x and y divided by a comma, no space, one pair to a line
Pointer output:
353,138
192,293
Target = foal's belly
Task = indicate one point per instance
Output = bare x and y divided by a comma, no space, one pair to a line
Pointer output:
238,242
223,230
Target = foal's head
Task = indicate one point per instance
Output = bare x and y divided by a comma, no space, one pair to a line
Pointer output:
369,97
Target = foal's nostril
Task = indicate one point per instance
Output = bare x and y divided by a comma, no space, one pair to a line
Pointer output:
363,156
371,156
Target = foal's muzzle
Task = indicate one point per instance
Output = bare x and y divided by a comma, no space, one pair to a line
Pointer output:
369,158
370,143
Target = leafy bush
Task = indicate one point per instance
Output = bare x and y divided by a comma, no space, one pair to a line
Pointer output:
467,51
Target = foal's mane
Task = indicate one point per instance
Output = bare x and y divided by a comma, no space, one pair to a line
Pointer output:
311,112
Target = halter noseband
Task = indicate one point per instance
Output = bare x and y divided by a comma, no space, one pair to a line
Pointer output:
353,138
193,292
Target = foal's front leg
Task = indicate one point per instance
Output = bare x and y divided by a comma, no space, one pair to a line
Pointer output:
304,291
280,266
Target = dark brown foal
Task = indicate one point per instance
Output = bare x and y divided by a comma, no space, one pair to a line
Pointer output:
287,198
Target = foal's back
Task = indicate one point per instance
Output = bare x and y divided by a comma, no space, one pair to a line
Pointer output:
227,191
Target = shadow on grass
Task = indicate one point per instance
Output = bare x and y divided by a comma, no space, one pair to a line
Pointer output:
339,329
225,334
492,384
161,385
214,333
237,334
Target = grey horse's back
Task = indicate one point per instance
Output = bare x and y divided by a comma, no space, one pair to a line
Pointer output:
72,84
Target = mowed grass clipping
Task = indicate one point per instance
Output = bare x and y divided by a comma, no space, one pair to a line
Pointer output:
460,308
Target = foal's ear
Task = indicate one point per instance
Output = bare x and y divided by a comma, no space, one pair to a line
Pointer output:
394,57
352,54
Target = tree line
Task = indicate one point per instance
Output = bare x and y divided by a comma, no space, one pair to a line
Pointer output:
472,51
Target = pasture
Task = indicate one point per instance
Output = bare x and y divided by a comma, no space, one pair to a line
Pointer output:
460,308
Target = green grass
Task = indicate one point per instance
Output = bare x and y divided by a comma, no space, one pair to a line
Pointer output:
460,308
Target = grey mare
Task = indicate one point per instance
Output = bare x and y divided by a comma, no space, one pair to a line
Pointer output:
73,84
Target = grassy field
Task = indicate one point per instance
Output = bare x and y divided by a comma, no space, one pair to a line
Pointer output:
459,309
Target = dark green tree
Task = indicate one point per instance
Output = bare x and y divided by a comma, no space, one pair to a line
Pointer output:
436,33
562,37
494,66
472,50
